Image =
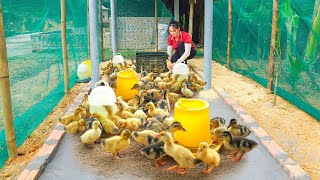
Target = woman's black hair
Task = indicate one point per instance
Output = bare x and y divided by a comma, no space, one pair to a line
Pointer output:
176,25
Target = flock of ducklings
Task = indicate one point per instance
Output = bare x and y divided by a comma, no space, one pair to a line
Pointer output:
147,119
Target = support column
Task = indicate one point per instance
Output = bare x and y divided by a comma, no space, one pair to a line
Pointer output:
208,25
94,51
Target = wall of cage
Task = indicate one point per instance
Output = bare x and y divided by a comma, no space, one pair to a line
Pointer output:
297,51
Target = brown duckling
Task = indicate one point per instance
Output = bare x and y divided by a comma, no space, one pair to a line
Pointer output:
239,144
164,103
116,144
67,119
217,122
155,150
210,157
195,87
91,135
180,154
154,125
237,129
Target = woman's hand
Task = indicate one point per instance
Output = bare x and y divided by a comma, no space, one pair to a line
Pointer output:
170,66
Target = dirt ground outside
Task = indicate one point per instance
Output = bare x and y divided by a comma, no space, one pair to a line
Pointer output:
294,130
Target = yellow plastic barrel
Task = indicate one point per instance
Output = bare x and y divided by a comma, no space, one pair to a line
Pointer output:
88,63
194,115
125,80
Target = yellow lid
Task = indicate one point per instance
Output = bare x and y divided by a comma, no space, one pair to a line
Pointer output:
191,104
127,73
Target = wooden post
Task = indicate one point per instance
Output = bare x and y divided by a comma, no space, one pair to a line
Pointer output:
88,30
273,43
156,20
101,33
229,34
191,17
5,94
64,46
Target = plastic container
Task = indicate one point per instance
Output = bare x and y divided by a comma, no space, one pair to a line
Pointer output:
82,71
194,115
99,96
117,59
88,63
125,80
181,69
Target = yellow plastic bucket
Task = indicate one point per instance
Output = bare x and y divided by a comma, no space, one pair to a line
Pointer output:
88,63
194,116
125,80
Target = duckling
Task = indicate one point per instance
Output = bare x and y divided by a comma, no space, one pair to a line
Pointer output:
173,97
166,120
157,79
154,111
143,73
185,91
91,135
180,154
116,144
164,102
155,93
101,83
85,104
164,75
122,113
114,118
134,100
193,78
239,144
89,122
73,127
122,102
237,129
107,125
155,150
208,156
169,77
142,136
140,114
132,124
163,85
217,122
176,86
154,125
67,119
149,77
195,87
82,126
113,75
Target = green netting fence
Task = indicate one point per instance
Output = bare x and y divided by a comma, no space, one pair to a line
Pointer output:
297,48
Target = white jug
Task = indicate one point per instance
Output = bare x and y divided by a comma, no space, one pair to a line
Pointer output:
117,59
99,96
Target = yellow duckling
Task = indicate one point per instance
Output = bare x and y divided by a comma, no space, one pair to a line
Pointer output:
113,75
176,86
140,114
193,78
185,91
85,104
82,126
195,87
122,113
107,125
121,101
116,144
155,150
134,100
114,118
132,124
67,119
166,121
239,144
173,97
73,127
237,129
143,137
91,135
215,133
149,77
208,156
152,111
180,154
163,85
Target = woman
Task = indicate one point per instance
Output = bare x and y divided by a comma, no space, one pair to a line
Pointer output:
181,42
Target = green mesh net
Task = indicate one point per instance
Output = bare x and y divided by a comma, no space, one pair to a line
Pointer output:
297,48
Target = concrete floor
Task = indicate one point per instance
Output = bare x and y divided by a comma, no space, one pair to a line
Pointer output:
67,164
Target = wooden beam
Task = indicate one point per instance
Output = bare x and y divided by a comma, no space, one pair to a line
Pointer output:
64,46
229,34
101,33
275,16
5,94
191,17
156,20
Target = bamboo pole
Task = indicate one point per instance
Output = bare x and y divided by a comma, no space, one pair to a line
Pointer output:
229,33
275,15
101,33
156,20
5,94
191,17
275,90
64,46
88,30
